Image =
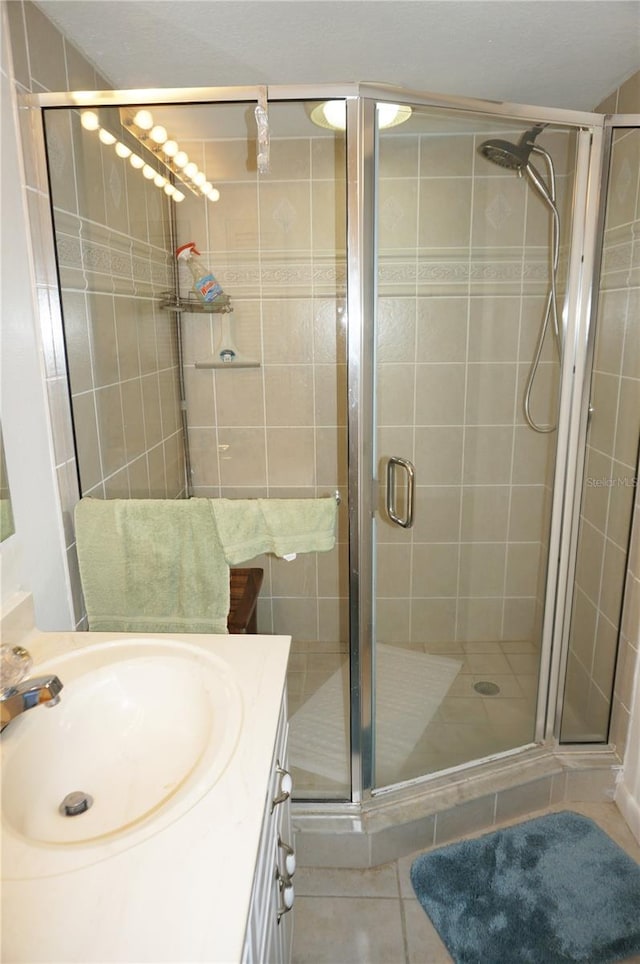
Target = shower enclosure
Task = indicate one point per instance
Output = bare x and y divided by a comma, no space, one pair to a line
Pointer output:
417,318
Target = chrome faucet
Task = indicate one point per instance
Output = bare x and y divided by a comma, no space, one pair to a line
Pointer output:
19,694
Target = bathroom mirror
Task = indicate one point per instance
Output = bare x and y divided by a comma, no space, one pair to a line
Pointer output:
7,527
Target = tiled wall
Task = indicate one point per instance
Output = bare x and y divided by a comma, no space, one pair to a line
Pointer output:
464,249
113,246
277,245
612,448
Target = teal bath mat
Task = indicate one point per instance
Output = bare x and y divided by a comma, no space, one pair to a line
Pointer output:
552,890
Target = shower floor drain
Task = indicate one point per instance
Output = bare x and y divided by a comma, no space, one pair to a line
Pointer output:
486,688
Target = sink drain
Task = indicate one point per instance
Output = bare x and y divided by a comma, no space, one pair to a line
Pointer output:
75,803
486,688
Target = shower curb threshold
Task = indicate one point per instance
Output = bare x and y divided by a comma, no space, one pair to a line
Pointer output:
399,821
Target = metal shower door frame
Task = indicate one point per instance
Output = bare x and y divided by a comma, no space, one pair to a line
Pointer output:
362,299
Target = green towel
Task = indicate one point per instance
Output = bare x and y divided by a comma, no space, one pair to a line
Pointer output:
248,527
162,565
152,565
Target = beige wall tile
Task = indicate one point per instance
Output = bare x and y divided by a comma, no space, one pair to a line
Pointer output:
396,330
445,212
498,211
87,444
439,452
621,195
523,561
490,394
432,620
111,428
437,516
239,397
628,422
629,95
519,619
434,569
446,155
533,456
485,513
46,50
440,393
289,395
528,520
479,618
442,330
482,569
328,156
397,214
288,331
487,455
398,155
285,221
328,200
613,576
494,324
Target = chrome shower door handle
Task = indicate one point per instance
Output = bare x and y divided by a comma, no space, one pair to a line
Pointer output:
393,465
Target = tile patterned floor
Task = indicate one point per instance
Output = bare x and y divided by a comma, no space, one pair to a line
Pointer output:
373,916
467,726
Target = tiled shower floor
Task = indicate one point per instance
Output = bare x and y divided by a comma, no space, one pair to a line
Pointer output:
467,724
373,917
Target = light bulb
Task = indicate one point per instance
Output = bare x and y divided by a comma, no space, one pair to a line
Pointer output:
170,148
214,194
178,196
191,169
144,120
335,112
158,134
136,162
169,189
122,150
106,136
181,159
199,179
148,172
159,180
206,188
89,120
390,115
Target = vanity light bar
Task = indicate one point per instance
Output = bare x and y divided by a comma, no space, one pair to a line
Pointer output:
152,137
167,150
91,122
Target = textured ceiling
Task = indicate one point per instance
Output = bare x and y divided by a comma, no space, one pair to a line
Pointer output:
560,53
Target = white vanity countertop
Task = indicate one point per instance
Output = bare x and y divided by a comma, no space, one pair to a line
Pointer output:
183,894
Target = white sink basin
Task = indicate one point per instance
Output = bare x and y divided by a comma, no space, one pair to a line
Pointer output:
145,727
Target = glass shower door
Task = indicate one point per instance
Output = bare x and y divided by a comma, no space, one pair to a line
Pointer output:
464,255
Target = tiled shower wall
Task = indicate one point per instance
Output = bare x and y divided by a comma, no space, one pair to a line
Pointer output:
612,453
463,272
113,245
463,252
277,245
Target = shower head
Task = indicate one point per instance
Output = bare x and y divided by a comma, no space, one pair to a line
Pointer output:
514,157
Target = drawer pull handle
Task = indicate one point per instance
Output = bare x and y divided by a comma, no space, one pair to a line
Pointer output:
286,786
289,858
287,895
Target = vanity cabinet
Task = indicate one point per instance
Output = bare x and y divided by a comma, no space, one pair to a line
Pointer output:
270,922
